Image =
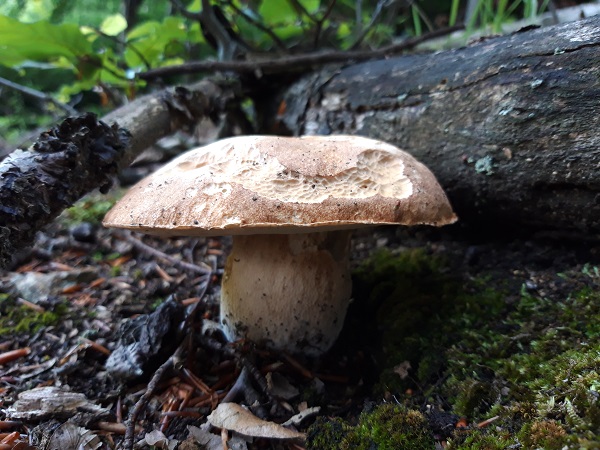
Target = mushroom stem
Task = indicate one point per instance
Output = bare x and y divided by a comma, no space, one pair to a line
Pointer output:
290,290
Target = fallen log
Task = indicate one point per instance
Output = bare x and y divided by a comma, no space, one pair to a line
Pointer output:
510,125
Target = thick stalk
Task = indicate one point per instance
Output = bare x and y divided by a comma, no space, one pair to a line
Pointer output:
290,291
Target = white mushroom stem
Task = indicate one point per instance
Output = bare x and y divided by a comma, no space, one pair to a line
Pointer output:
290,290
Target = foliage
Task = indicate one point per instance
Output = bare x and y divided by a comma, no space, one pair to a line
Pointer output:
98,55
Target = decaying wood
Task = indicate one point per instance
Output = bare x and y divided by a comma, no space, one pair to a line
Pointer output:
83,153
510,125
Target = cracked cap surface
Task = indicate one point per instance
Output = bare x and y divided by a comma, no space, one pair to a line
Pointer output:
271,184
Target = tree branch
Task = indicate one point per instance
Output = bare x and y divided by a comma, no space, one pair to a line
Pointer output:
295,63
38,95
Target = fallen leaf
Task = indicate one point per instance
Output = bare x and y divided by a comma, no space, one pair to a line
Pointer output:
72,436
298,418
158,439
232,416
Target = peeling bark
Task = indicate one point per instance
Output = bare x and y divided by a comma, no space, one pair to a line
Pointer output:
510,125
84,153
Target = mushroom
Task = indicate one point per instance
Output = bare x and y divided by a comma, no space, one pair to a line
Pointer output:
290,204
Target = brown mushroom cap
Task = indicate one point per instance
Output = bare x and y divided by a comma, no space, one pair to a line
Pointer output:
270,184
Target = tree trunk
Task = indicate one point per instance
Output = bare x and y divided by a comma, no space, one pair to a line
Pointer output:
510,125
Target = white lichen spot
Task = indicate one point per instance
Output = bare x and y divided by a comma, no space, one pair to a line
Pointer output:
332,101
583,33
485,165
536,83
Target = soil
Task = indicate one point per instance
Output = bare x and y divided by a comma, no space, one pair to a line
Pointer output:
68,334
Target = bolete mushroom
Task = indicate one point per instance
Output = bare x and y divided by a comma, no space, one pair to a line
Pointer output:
290,203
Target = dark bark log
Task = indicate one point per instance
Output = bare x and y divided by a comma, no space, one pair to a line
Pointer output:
83,153
510,125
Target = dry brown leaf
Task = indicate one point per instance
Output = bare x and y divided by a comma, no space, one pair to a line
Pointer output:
232,416
72,436
157,439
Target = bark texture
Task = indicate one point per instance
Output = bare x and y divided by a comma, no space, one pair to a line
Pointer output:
509,125
84,153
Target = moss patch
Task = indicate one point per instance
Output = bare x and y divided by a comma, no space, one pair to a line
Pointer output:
15,318
92,208
480,348
388,427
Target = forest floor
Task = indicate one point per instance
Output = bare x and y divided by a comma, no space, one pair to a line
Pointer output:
452,341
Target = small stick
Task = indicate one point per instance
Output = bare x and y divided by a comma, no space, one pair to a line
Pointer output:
158,254
8,424
486,422
10,437
299,367
194,414
145,398
98,347
11,355
31,305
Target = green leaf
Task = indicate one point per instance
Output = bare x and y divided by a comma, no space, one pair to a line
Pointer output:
40,41
151,41
277,11
288,31
312,6
113,25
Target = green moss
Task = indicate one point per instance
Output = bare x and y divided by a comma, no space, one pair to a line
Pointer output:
414,294
16,318
483,440
327,434
546,434
387,427
480,348
91,208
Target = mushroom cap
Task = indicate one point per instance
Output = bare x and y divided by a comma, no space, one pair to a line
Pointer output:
271,184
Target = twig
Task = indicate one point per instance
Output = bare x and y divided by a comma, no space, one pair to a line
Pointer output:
249,371
358,16
34,93
180,7
239,387
320,23
145,398
363,33
158,254
302,62
11,355
300,9
125,44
